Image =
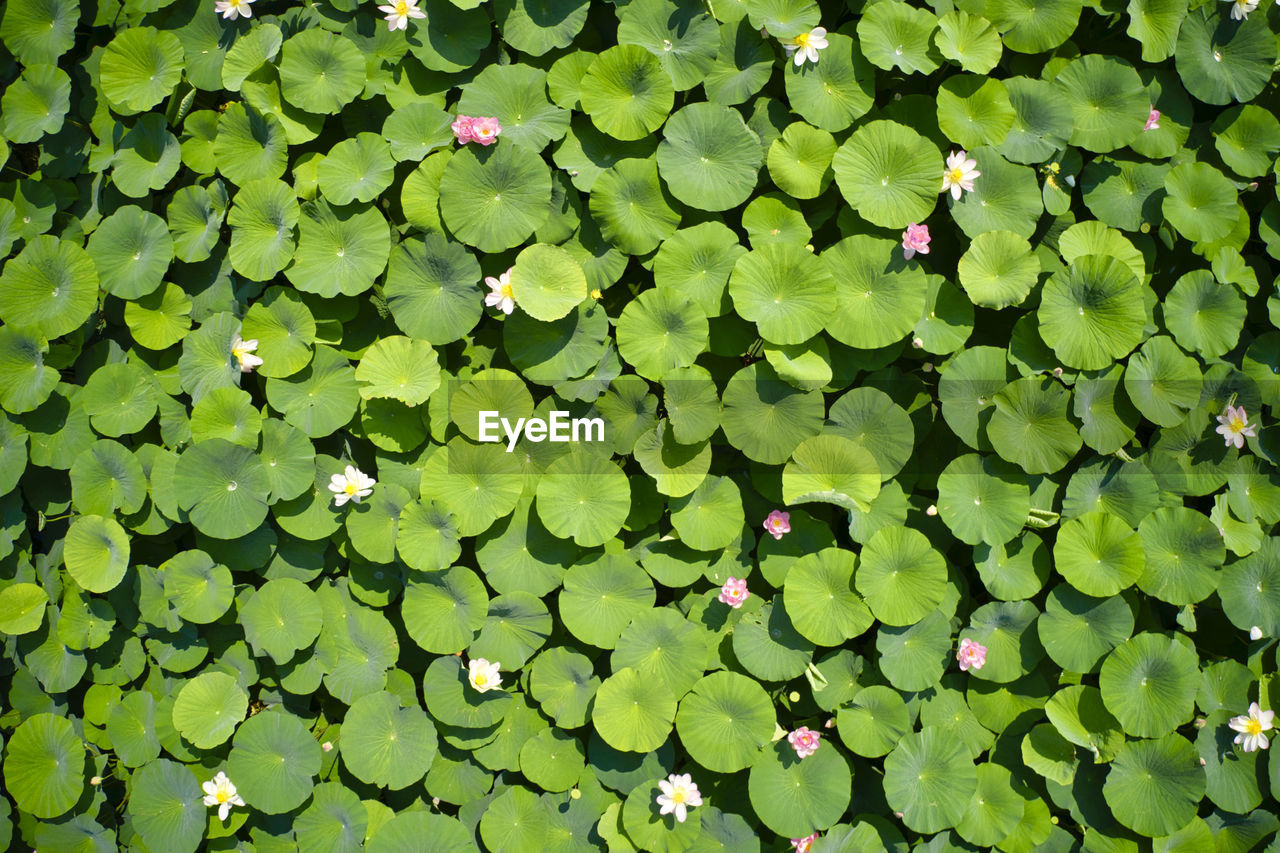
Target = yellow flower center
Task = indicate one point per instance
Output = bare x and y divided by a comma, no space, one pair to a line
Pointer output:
1235,424
222,796
349,488
507,292
679,794
956,174
402,8
803,39
481,679
1253,727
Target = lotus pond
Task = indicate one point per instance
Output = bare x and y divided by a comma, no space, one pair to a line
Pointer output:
927,368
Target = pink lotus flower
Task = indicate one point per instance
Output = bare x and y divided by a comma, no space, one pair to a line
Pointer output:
805,741
1234,426
971,655
462,129
485,130
1153,120
915,239
803,845
778,523
734,592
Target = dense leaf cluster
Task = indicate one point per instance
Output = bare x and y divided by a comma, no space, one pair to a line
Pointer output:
1004,431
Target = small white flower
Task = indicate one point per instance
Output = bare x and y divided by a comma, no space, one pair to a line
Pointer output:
351,485
219,792
1240,9
485,675
242,351
399,13
960,173
1255,633
232,9
327,746
1251,727
1234,426
679,794
806,46
500,293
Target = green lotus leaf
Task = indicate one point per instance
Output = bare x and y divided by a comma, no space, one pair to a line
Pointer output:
451,37
140,67
1199,202
517,94
897,35
889,173
929,777
879,295
975,110
1154,786
208,708
250,145
36,104
634,210
724,721
626,92
274,760
681,35
1149,684
1092,313
320,72
537,29
494,198
969,40
39,31
223,486
24,605
340,250
1007,197
1220,60
400,368
1029,27
837,91
431,289
386,744
132,250
97,553
547,282
793,795
1042,120
742,66
709,158
633,715
44,765
263,216
51,286
900,575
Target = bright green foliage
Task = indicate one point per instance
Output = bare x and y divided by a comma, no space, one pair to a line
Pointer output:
984,299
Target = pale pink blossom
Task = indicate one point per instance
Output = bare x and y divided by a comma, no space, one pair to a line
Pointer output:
485,130
679,794
778,523
960,173
399,13
805,741
971,655
804,845
327,746
1234,426
1153,120
462,128
1251,727
500,293
734,592
915,239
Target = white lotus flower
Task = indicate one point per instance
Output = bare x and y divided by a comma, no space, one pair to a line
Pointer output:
1240,9
1234,426
484,675
220,792
806,46
1255,633
232,9
679,794
500,293
960,173
1251,727
242,351
399,13
351,485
